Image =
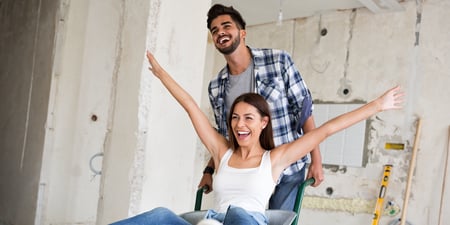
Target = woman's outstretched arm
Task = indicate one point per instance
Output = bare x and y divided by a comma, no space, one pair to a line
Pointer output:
213,141
289,153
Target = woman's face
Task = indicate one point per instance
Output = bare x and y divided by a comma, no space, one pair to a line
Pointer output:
247,124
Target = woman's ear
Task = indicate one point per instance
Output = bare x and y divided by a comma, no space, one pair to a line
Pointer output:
265,121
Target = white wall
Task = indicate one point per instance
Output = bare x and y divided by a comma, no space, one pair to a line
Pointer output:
164,154
161,172
172,165
82,94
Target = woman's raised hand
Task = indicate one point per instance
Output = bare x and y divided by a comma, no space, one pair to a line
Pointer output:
391,99
156,69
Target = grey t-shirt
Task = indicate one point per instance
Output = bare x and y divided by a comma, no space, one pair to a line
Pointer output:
239,84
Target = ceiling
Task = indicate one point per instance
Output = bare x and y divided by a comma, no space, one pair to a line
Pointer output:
268,11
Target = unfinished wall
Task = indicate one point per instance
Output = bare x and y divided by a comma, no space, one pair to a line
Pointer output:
367,54
82,97
27,34
172,163
120,192
165,166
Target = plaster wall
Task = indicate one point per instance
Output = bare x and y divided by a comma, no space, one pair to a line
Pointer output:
122,142
159,166
367,54
173,161
82,97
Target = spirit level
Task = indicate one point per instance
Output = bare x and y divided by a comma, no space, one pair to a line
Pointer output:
384,184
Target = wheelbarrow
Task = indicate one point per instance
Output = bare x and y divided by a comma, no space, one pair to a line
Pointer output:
275,216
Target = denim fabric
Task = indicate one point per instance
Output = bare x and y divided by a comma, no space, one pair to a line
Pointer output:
164,216
157,216
286,191
238,216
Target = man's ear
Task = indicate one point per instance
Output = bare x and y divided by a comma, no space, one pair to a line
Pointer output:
243,33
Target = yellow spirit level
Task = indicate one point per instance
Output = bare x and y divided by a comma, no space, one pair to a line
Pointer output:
384,184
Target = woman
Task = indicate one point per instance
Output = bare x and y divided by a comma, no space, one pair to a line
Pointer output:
247,171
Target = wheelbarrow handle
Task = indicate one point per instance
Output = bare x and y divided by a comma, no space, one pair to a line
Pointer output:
199,196
299,199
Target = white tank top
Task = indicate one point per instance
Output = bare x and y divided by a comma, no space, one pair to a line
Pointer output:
249,188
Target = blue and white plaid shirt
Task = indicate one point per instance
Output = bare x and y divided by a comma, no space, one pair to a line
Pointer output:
280,83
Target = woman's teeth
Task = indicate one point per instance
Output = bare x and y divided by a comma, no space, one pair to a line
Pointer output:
243,132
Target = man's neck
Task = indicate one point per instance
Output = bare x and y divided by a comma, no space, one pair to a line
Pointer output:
239,60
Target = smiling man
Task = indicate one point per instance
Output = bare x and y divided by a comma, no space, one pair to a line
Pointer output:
272,74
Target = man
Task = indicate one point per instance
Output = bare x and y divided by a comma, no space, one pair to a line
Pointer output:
272,74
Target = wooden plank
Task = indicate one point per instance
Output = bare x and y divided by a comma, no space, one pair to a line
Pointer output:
444,181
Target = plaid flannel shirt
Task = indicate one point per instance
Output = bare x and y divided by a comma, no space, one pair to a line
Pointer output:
280,83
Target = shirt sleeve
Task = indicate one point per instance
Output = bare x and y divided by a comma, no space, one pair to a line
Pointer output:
299,96
217,105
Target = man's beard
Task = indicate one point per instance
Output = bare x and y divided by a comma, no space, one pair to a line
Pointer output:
230,49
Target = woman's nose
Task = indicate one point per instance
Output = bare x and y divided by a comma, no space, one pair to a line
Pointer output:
240,122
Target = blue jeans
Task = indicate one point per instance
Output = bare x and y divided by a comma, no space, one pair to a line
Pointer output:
238,216
286,191
157,216
164,216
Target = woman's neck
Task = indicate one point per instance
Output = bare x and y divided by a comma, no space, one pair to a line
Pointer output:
248,152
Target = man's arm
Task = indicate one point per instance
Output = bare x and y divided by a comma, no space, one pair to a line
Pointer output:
207,176
301,98
315,168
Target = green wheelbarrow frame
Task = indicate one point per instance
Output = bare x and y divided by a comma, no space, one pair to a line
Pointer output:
297,206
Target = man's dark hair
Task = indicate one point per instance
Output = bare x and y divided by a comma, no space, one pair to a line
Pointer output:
218,10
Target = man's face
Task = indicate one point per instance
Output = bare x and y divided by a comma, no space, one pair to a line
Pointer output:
226,34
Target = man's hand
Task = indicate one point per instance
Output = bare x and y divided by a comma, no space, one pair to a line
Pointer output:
315,170
206,181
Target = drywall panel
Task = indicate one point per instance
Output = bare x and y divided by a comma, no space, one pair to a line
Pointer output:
345,148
